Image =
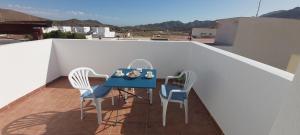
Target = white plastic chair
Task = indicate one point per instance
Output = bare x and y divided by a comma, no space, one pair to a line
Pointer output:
177,94
79,80
140,63
143,64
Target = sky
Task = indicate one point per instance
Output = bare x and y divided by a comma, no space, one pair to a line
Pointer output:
136,12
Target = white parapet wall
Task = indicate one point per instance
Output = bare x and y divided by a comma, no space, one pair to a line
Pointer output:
245,97
107,56
25,67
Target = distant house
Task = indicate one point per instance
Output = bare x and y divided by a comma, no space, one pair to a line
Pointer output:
96,32
50,29
103,32
78,29
66,28
269,40
203,32
14,22
55,28
86,29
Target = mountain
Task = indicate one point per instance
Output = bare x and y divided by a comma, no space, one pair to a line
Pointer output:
76,22
174,26
164,26
291,14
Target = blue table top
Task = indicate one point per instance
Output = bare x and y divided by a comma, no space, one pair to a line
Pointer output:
125,82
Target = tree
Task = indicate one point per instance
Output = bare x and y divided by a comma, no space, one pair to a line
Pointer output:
66,35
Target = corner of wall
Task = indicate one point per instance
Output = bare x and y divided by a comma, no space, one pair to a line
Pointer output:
53,66
287,121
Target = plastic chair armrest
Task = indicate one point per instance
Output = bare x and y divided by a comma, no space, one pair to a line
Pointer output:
171,77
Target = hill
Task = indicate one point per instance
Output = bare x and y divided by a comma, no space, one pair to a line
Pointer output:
291,14
76,22
174,26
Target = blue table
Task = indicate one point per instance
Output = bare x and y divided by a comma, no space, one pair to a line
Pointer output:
126,82
139,82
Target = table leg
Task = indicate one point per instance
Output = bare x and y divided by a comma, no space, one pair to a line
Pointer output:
118,103
118,106
150,95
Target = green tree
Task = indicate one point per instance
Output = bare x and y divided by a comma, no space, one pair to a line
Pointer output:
66,35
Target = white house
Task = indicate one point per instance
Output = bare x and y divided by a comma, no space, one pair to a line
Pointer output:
103,32
86,29
49,29
55,28
96,31
78,29
269,40
203,32
66,28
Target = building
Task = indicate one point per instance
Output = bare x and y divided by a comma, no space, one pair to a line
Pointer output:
95,31
203,32
14,22
50,29
86,29
103,32
269,40
65,28
55,28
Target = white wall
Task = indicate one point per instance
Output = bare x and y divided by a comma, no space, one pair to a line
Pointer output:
226,31
24,68
107,56
268,40
288,120
244,96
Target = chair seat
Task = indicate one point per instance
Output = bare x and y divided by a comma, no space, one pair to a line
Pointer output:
166,89
99,92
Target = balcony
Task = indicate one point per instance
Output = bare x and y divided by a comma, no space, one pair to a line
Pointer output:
233,95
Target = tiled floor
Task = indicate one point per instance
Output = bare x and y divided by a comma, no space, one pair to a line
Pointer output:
55,111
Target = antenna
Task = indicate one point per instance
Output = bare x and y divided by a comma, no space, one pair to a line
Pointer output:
258,8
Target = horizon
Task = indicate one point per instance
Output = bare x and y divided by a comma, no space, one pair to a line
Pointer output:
129,13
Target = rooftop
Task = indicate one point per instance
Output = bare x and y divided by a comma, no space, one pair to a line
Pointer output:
242,96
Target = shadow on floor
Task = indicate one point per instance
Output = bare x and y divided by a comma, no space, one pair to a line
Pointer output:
55,123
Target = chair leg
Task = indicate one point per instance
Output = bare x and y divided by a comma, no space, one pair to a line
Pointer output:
98,109
165,107
150,95
81,109
186,111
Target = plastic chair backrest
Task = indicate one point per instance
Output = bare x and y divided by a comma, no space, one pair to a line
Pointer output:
140,63
190,79
79,78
